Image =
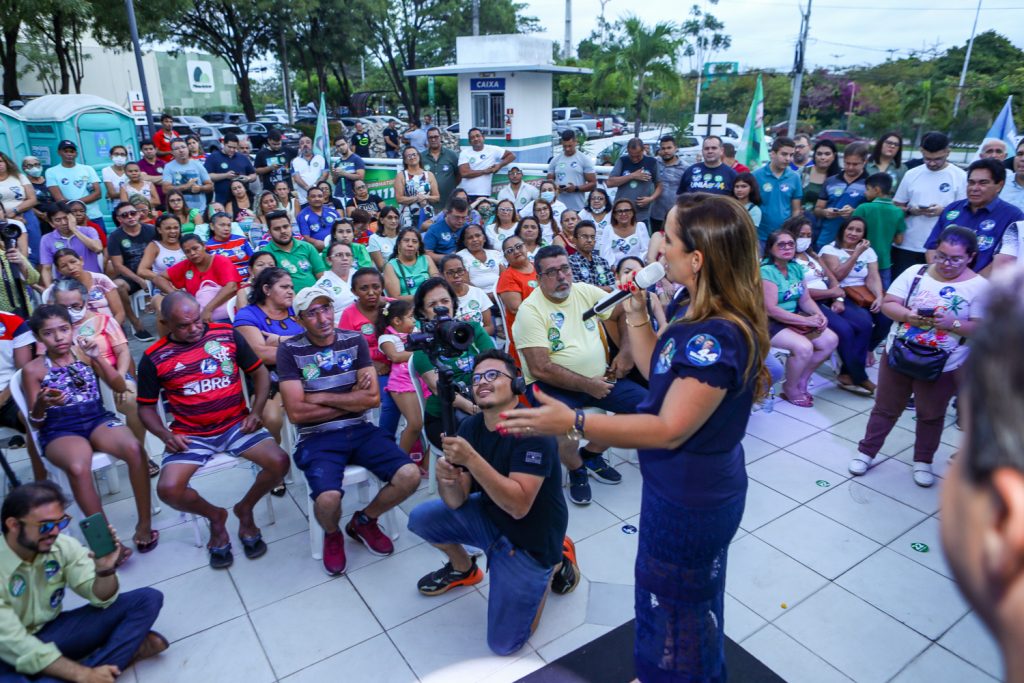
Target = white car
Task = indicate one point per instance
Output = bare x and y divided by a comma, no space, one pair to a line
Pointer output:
605,152
384,118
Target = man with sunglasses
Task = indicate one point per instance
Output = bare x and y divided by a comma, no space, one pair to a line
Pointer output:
38,564
503,495
126,246
328,383
566,357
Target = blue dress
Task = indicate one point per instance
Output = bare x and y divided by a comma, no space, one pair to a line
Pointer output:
692,503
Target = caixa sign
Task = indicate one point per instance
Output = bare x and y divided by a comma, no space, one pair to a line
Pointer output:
487,84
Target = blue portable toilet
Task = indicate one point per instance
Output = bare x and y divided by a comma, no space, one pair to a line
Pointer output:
94,124
13,140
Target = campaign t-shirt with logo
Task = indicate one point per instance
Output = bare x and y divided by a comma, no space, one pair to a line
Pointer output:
440,238
839,193
74,183
446,173
988,222
614,247
131,247
571,170
178,174
267,157
14,334
310,170
716,180
791,286
636,188
52,241
303,262
185,275
219,162
317,225
343,186
483,274
339,290
235,249
777,195
462,365
486,157
472,304
859,273
200,381
361,143
921,188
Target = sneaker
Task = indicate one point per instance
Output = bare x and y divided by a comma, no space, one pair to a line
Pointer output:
600,469
568,575
365,530
923,474
860,464
334,553
446,578
579,486
143,335
910,403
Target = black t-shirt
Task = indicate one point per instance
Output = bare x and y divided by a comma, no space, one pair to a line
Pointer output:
268,157
129,247
361,144
371,204
542,530
392,135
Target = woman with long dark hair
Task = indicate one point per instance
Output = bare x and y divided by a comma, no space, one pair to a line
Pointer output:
887,157
408,266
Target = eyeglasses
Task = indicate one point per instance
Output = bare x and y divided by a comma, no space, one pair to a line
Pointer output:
785,245
312,313
433,137
622,212
551,272
489,376
505,209
892,143
514,248
125,214
49,525
457,272
949,260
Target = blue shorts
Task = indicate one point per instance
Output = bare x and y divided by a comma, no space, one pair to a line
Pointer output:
323,457
624,397
202,449
79,419
518,582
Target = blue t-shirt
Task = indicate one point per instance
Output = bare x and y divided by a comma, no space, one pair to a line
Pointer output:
700,178
441,238
777,194
219,162
839,194
317,227
988,222
708,470
179,174
75,183
343,189
253,316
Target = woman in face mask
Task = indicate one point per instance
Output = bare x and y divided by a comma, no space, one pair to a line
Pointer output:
33,169
549,193
853,329
115,176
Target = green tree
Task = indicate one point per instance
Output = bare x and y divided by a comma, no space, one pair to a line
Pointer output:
640,60
702,32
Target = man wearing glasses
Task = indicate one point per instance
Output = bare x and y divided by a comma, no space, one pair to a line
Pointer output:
443,163
38,564
923,193
328,383
567,358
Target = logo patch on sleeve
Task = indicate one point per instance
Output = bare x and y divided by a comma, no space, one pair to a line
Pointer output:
534,458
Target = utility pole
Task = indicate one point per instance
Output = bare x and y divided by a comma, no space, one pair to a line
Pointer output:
476,17
967,61
133,27
567,46
798,70
284,76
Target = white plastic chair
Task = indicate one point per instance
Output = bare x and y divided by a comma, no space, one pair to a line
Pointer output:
103,464
230,307
138,302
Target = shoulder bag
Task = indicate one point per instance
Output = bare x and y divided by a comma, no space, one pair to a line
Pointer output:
912,358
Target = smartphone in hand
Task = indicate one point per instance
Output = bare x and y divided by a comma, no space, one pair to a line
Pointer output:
97,535
926,312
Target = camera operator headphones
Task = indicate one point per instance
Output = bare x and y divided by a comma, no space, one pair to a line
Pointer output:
518,383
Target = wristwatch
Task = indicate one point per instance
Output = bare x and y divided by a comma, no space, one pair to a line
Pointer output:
841,299
576,433
957,324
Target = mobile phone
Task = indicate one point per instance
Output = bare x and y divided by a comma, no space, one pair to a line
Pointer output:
97,535
926,312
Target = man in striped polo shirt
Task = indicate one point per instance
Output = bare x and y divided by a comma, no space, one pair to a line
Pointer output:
198,368
328,382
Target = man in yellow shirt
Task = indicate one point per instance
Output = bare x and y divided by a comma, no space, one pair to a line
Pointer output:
567,358
38,642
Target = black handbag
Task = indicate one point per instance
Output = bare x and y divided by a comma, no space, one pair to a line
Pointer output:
912,358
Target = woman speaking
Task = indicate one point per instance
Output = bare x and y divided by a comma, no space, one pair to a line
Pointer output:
705,371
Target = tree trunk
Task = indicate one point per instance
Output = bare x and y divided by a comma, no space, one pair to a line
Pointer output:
9,61
245,94
346,87
61,51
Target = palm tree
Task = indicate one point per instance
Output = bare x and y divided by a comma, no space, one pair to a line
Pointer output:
640,59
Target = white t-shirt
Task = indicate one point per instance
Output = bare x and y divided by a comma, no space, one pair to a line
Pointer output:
309,170
613,248
473,305
118,181
12,193
964,299
1012,240
385,245
921,187
74,183
527,193
483,274
814,273
478,161
557,207
497,237
859,273
602,225
339,290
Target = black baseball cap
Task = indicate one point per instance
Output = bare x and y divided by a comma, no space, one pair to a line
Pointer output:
67,144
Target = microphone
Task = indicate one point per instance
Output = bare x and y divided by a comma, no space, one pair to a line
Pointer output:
647,276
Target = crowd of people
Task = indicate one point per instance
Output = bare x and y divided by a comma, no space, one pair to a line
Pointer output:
285,295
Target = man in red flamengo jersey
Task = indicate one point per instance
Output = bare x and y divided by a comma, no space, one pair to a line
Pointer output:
197,368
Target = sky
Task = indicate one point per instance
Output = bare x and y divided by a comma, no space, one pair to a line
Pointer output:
842,32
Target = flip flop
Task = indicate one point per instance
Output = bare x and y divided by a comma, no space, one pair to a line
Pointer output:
123,555
154,468
221,557
154,538
253,547
279,490
801,402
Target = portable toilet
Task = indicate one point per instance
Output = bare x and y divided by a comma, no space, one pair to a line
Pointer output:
13,140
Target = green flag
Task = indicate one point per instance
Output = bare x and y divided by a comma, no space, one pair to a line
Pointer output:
755,148
322,139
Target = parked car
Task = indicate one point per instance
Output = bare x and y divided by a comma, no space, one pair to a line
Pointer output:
840,137
190,120
273,118
233,130
587,125
225,118
384,118
258,130
607,151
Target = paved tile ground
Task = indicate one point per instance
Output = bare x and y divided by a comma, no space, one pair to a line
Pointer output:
828,578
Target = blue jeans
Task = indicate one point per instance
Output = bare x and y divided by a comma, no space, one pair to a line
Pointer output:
389,412
886,275
853,327
624,397
518,582
94,637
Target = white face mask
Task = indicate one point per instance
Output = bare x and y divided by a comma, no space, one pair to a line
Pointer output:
76,316
119,160
34,171
548,196
802,244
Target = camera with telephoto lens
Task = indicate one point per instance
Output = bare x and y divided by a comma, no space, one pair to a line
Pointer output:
443,336
10,233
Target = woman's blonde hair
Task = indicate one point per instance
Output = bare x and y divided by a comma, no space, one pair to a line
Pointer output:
728,286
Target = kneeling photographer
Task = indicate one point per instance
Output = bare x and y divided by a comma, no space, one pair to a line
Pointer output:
503,495
446,344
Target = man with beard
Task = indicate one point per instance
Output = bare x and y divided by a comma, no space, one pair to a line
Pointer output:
301,259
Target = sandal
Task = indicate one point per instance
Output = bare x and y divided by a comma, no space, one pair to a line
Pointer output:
147,546
123,555
154,468
800,402
279,490
253,547
221,557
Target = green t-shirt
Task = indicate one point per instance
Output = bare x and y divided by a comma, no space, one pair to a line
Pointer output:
189,226
791,288
885,220
463,365
411,277
303,263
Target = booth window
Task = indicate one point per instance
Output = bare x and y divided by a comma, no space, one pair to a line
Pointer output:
489,112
